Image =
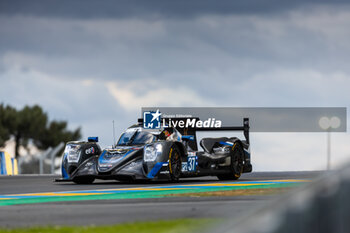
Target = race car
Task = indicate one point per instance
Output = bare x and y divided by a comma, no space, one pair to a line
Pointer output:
166,153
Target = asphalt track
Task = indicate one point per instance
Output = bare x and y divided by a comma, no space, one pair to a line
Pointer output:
117,210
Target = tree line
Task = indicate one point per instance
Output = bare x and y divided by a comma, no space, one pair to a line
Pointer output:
31,124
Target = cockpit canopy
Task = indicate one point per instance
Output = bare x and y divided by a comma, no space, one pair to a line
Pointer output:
136,135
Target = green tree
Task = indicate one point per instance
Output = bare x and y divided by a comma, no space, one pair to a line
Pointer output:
55,133
8,123
4,132
31,124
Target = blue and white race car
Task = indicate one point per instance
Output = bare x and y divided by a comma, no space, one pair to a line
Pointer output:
165,153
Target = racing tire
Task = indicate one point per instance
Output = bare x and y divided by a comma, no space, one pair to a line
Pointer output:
84,180
236,164
174,163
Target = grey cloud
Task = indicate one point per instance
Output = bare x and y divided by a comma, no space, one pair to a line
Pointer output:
231,60
150,9
179,46
90,107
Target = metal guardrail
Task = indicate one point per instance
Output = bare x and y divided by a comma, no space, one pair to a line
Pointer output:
317,207
51,152
48,153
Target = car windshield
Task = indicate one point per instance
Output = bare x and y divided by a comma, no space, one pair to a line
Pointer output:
135,137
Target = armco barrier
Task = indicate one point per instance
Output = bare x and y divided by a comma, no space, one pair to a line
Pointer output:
8,165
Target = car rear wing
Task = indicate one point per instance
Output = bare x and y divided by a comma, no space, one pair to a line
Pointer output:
245,128
192,130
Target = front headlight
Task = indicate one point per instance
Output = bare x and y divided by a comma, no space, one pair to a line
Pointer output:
151,152
73,153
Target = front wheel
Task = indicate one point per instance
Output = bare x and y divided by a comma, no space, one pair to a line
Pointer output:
236,164
174,163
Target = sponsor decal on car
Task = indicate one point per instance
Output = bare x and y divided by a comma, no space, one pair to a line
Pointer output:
90,151
191,164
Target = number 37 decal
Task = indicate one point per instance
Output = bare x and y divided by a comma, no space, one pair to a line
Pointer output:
190,165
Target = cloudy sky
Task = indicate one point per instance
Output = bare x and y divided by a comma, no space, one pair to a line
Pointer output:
91,62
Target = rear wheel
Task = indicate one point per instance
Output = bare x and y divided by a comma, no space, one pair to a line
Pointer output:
236,164
174,163
84,180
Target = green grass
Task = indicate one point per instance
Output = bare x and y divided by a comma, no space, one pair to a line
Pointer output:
168,226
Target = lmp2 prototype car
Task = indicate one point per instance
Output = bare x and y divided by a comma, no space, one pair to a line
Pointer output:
152,154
